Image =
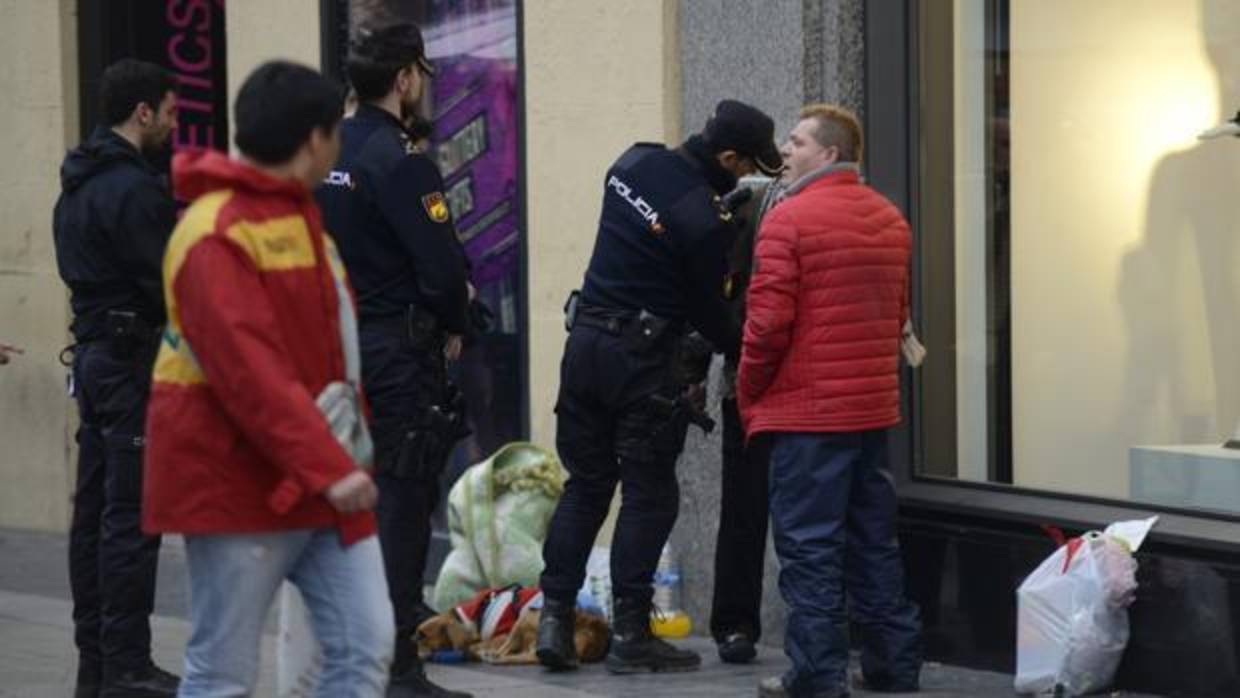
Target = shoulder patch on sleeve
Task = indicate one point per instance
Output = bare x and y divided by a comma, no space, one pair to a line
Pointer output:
436,207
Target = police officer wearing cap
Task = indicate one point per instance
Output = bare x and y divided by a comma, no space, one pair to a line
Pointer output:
627,393
384,205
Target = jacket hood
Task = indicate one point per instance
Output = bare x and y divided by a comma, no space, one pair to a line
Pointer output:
102,150
198,172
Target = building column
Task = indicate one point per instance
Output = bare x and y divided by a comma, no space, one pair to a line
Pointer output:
38,77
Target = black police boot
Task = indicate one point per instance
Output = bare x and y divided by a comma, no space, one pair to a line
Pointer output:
635,649
409,676
148,682
89,678
737,648
414,684
556,650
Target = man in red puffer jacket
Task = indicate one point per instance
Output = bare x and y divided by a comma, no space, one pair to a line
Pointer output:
819,374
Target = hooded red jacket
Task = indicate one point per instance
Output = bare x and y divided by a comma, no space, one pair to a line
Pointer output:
235,442
826,304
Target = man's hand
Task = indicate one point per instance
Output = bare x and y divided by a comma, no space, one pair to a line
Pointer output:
354,492
7,351
696,395
452,347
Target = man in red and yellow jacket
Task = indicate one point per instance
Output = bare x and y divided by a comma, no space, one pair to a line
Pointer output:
240,458
819,377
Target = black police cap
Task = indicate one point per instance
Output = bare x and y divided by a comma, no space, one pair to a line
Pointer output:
747,130
392,44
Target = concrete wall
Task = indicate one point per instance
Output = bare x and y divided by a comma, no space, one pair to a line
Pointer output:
599,75
38,121
747,51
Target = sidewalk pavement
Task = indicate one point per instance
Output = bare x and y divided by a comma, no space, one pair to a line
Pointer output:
37,658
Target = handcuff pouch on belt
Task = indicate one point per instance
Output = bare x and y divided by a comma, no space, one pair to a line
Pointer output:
423,330
129,336
647,332
689,365
436,429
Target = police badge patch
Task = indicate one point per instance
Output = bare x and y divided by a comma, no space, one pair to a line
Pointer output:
436,207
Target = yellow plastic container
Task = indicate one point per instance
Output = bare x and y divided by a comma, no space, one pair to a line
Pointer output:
671,626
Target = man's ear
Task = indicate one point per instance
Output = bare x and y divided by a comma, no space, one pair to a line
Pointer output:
404,78
319,137
143,114
727,158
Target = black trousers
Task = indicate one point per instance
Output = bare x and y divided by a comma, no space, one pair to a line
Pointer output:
400,380
112,563
741,546
607,434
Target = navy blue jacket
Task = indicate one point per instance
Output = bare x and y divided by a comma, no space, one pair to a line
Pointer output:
111,224
384,206
662,243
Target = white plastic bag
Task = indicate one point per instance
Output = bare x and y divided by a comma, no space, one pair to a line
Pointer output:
1072,612
595,592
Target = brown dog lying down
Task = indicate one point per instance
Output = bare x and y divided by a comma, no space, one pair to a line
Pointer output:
500,626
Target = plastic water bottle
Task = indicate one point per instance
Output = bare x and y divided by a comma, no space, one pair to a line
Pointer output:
668,618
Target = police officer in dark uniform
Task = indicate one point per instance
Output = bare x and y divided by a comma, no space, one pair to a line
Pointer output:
111,224
630,379
385,207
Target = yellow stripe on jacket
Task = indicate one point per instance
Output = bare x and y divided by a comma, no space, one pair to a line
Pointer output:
176,363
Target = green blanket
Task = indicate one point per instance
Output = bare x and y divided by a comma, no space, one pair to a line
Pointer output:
498,513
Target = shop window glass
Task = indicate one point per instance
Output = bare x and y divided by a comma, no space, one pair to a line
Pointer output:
1080,247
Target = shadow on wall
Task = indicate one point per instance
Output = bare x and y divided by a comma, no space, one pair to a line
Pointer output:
1181,280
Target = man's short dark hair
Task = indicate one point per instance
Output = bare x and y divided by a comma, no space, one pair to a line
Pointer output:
279,105
377,54
130,82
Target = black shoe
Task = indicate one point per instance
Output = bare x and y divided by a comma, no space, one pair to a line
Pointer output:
737,648
147,682
414,684
556,650
635,650
773,687
861,683
89,677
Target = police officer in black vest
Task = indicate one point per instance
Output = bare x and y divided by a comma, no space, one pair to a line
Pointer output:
385,207
111,224
631,377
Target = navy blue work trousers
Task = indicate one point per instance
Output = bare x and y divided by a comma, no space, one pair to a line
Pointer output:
112,564
400,381
833,514
607,434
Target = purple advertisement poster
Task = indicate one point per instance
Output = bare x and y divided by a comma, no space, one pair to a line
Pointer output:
474,105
